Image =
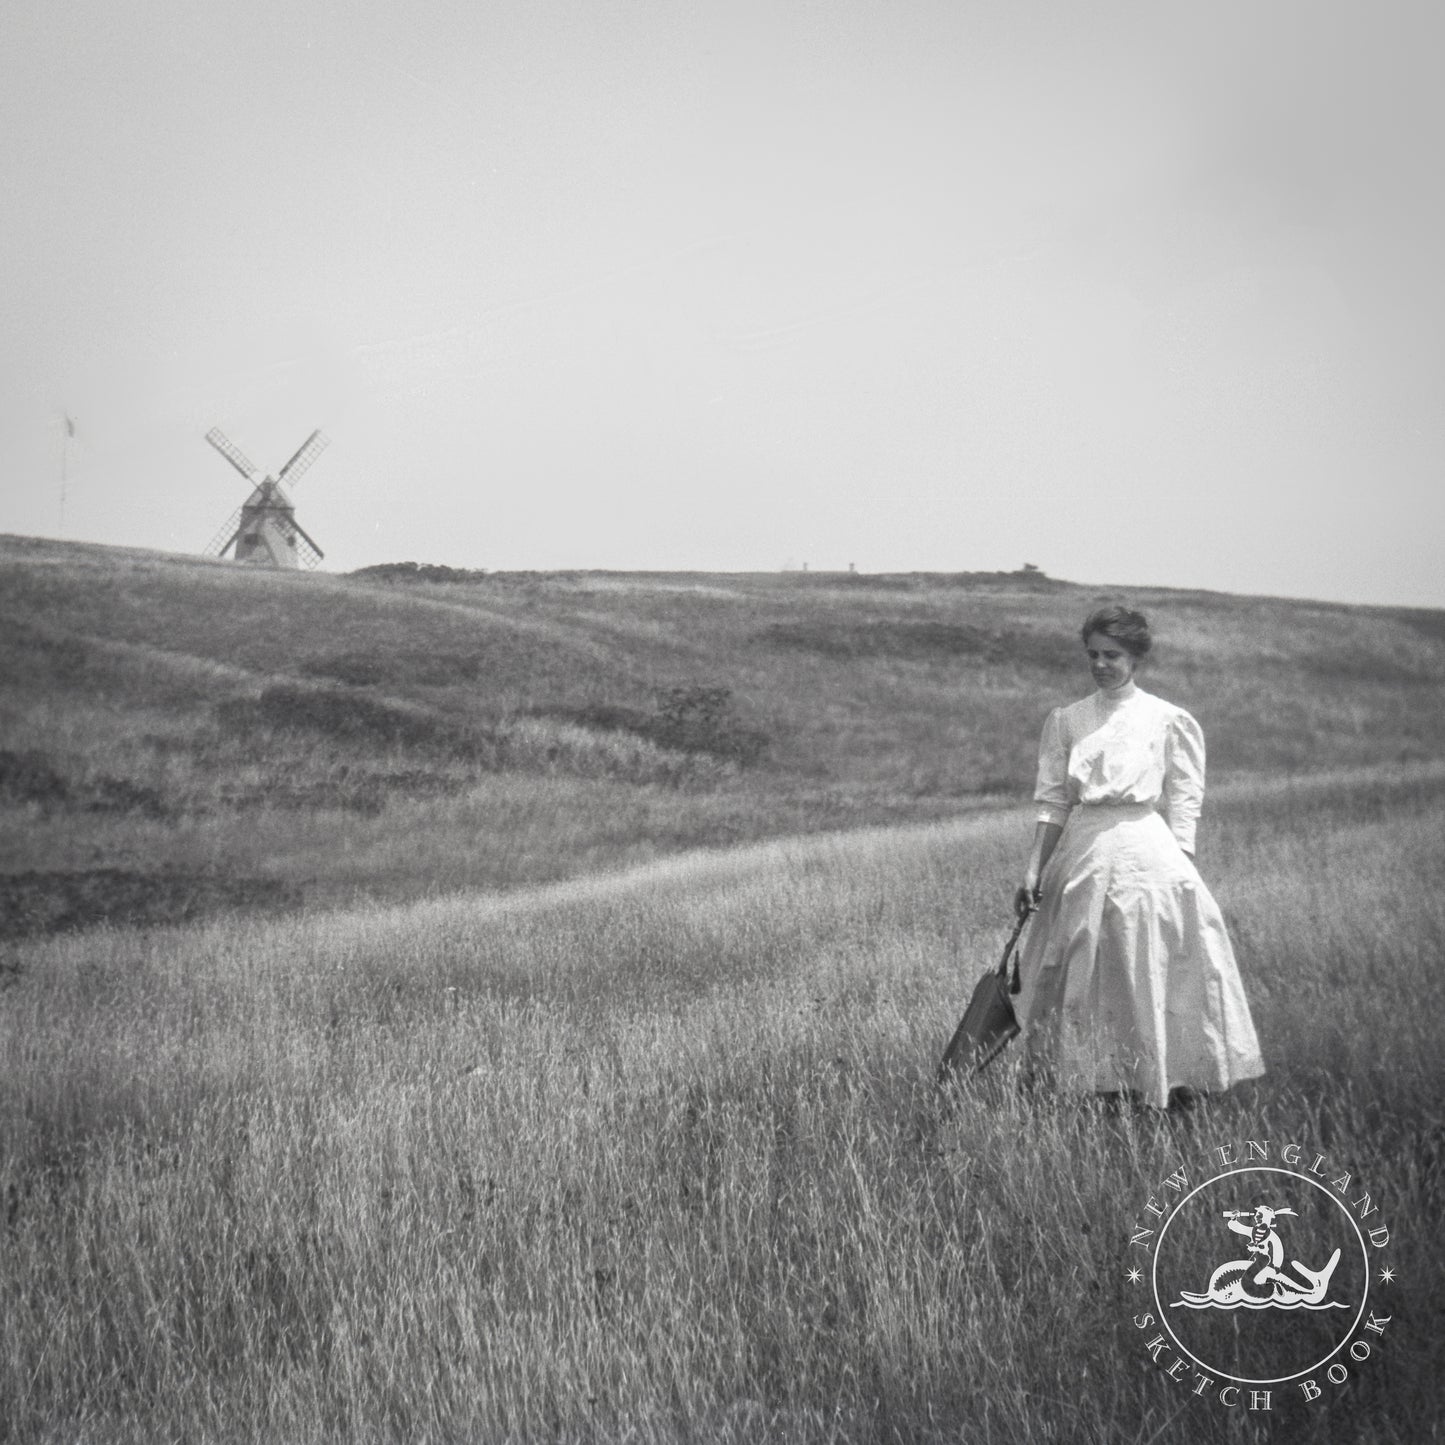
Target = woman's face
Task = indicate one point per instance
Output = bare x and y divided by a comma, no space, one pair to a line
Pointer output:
1111,663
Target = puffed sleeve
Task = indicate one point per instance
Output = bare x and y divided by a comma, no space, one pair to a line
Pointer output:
1051,792
1184,778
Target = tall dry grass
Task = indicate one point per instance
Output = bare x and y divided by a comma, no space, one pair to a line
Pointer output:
659,1157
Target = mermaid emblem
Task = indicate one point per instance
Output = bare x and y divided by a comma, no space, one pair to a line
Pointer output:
1260,1282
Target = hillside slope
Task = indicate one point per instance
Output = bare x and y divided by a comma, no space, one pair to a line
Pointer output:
178,735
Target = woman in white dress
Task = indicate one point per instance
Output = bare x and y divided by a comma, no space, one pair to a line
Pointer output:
1128,981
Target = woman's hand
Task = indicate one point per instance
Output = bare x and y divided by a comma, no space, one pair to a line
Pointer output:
1026,897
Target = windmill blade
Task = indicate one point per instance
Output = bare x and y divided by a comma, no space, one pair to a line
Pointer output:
306,453
225,539
231,452
308,553
301,532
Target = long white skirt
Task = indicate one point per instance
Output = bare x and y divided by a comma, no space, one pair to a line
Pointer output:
1128,979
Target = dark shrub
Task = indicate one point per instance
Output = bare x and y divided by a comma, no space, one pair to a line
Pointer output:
692,719
38,903
353,718
604,717
417,572
1430,622
27,777
120,795
700,719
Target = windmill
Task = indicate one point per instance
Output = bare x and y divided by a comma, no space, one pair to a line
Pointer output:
264,528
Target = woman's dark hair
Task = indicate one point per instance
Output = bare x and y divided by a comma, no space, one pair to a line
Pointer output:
1129,629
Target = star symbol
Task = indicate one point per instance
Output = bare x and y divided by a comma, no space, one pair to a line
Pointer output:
1387,1275
1135,1277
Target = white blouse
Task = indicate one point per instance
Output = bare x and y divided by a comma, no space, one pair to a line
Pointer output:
1126,746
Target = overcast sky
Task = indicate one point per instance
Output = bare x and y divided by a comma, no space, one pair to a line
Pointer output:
1136,292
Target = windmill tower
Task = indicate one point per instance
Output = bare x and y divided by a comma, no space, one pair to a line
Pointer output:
264,528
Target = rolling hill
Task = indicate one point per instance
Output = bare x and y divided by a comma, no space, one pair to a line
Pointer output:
179,736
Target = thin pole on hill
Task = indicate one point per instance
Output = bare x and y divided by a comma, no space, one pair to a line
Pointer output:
67,431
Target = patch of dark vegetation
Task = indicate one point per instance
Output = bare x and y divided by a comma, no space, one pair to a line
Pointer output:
28,778
121,795
690,719
352,791
305,797
33,655
699,719
419,667
417,572
1028,578
36,903
604,717
1429,622
925,640
350,717
417,782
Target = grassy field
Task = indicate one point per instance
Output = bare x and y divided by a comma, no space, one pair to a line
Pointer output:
659,1156
532,1058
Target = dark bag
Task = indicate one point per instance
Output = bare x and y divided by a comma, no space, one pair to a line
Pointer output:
989,1022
